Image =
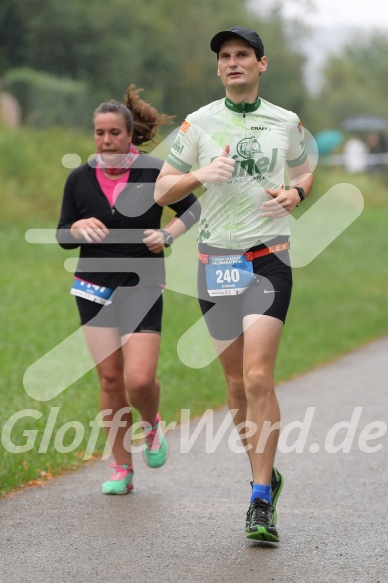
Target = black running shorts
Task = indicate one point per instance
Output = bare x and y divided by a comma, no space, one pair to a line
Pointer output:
269,295
133,309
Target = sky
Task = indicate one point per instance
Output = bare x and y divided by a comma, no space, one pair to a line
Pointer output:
365,14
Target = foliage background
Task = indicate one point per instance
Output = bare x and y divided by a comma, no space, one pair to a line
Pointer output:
162,46
93,51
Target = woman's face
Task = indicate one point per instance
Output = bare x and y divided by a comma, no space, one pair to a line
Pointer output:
111,136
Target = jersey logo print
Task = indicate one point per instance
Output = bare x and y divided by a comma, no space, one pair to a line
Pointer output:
248,147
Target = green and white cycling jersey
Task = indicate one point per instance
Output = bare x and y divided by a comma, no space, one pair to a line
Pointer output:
263,138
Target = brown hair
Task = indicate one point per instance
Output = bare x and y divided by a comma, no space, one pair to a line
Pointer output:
146,119
114,106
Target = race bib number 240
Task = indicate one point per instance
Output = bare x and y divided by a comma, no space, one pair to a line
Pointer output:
228,275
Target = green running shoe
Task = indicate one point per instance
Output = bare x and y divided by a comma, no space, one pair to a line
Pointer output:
277,482
120,482
156,450
260,524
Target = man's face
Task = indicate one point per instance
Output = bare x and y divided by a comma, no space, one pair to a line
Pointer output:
238,66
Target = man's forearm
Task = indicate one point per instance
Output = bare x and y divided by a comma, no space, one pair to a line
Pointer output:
172,188
305,181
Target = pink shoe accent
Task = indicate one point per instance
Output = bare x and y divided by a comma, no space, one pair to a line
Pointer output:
120,472
151,435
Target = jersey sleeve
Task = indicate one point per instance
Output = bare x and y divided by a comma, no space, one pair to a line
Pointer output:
184,150
297,151
188,210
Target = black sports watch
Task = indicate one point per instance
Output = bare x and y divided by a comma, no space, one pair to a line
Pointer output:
301,192
168,238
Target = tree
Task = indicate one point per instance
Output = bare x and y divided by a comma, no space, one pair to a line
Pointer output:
161,46
12,33
355,82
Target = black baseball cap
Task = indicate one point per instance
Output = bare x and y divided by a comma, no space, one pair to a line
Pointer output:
249,35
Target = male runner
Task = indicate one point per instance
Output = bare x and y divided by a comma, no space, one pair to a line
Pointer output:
242,145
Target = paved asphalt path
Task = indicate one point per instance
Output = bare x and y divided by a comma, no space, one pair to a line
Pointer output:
185,522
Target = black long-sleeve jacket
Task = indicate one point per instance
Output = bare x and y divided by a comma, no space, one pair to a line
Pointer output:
122,259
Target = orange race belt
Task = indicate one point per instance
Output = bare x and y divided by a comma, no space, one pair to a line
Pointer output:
251,255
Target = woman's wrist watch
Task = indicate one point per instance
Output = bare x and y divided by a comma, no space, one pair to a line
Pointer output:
168,238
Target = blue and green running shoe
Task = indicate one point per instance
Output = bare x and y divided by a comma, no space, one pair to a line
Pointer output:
260,523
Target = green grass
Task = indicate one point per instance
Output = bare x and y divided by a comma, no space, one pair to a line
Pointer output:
339,300
339,303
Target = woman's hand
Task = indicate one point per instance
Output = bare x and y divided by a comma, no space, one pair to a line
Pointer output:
154,240
92,230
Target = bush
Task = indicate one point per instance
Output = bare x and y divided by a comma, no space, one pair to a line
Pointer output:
47,100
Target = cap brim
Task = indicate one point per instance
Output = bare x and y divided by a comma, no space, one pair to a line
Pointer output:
221,37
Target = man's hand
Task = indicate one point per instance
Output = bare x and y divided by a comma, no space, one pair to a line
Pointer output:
92,230
283,202
220,170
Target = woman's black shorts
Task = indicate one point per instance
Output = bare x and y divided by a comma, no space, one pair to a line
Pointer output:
269,295
133,309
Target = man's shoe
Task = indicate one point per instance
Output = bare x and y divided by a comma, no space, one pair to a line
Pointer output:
277,482
120,482
260,523
156,450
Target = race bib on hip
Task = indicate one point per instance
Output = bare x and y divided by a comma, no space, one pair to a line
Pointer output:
89,291
228,275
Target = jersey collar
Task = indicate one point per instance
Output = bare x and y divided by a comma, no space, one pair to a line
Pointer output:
242,107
